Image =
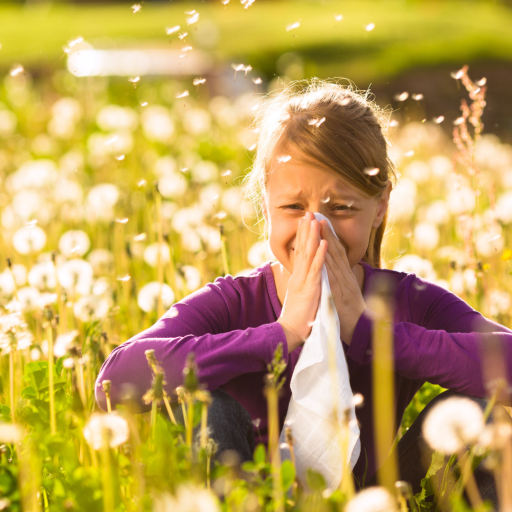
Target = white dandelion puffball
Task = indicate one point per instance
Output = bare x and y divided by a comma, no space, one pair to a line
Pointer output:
421,267
110,429
32,174
196,121
441,166
186,218
232,201
204,171
151,254
68,191
190,240
102,195
504,207
372,499
418,171
28,297
9,433
192,277
499,303
114,117
157,124
91,307
27,203
461,200
450,253
452,424
29,239
209,197
402,201
76,275
101,260
74,243
147,298
67,108
164,166
259,253
187,499
172,185
211,237
438,212
64,342
426,236
8,122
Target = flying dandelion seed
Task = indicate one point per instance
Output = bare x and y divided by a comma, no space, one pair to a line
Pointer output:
247,69
198,81
108,142
225,173
439,119
283,159
257,81
252,148
345,101
417,97
247,3
495,238
182,94
409,153
370,27
237,68
358,399
185,169
187,49
225,2
31,223
326,200
124,279
182,36
316,122
144,104
139,238
192,19
402,96
394,123
120,157
141,183
372,172
110,429
16,70
292,26
481,82
122,221
220,215
171,30
457,74
136,8
338,17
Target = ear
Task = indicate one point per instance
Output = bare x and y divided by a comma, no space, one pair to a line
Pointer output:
382,205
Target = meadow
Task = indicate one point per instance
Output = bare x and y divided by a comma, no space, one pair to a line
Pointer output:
111,213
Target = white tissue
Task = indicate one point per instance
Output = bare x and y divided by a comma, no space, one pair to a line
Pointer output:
311,410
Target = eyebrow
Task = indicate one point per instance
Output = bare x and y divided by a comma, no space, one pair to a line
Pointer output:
332,195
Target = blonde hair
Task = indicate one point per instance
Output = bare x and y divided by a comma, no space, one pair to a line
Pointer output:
334,125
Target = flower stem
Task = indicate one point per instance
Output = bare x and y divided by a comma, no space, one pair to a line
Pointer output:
53,419
12,384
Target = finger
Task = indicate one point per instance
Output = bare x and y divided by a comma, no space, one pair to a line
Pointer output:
337,248
340,272
301,266
315,271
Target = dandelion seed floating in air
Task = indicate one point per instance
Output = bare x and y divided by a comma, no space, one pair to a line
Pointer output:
193,18
326,200
439,119
182,94
186,49
402,96
237,68
417,97
72,43
141,183
144,104
257,81
457,74
247,3
139,238
370,27
171,30
16,70
458,121
199,81
338,17
136,8
225,2
252,148
182,36
372,172
120,157
292,26
316,122
122,221
124,279
283,159
393,123
482,82
409,153
225,173
111,140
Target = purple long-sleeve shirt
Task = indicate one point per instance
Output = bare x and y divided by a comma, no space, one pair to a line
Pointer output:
231,326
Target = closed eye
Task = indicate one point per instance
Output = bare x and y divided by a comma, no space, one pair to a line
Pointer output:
342,207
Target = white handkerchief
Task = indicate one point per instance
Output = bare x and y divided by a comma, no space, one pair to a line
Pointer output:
315,391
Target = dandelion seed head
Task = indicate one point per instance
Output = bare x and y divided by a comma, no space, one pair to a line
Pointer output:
284,158
256,422
402,96
171,30
147,298
372,172
453,423
110,429
370,27
292,26
136,8
372,499
63,343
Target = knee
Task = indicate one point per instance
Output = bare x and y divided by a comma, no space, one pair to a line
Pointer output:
225,408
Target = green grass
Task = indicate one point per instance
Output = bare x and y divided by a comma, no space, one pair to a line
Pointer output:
406,34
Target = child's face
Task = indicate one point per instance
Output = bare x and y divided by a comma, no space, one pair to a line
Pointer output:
352,213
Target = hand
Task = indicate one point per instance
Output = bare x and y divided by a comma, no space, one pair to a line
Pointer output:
346,294
305,284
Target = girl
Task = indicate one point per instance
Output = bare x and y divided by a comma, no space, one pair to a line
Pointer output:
321,149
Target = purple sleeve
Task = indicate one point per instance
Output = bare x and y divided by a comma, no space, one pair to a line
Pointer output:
441,341
205,323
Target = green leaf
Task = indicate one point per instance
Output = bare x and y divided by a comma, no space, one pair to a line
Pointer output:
260,454
29,392
315,481
287,474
